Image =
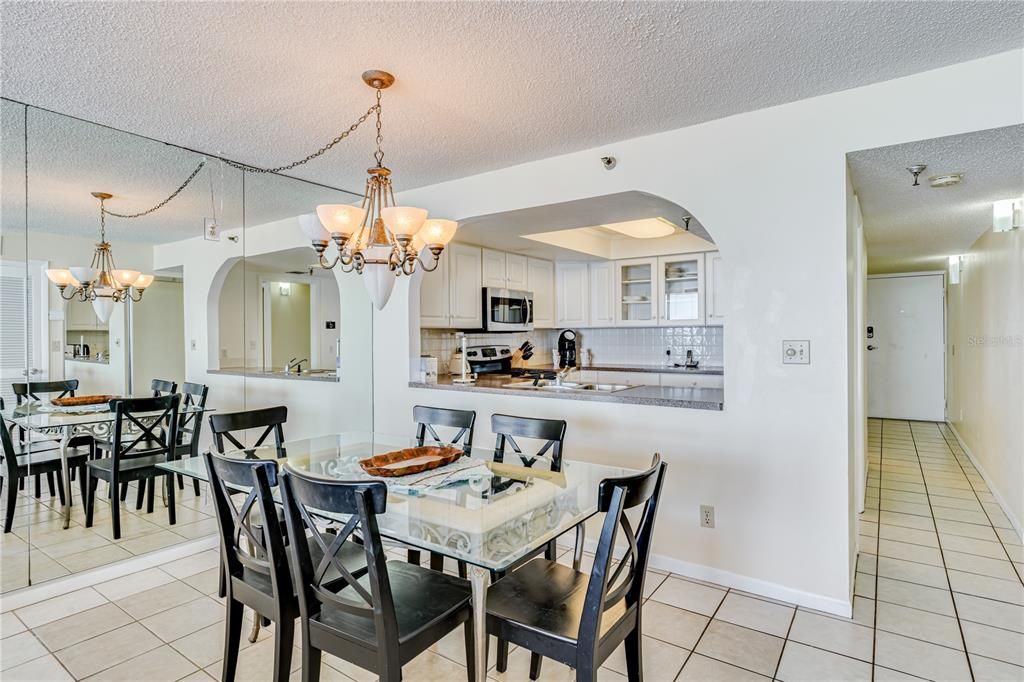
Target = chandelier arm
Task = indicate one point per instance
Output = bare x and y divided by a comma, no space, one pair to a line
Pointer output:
133,297
327,265
74,291
424,267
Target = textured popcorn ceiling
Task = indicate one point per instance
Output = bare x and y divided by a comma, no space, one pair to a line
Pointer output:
481,85
916,228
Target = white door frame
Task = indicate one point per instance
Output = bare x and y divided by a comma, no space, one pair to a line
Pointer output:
314,314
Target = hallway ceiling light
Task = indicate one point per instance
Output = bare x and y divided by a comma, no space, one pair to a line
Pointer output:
377,239
101,282
648,228
945,180
916,170
1007,215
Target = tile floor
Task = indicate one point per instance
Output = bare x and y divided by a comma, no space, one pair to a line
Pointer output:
56,551
938,596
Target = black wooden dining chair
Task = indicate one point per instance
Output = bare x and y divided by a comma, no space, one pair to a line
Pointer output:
379,621
190,424
224,426
32,391
162,387
579,620
428,420
136,447
22,459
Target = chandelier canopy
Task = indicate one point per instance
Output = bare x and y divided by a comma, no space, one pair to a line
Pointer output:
377,238
101,282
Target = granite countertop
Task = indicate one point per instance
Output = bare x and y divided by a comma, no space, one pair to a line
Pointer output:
663,396
270,374
649,369
92,361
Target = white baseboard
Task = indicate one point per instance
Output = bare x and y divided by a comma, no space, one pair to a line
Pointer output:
1014,521
58,586
736,581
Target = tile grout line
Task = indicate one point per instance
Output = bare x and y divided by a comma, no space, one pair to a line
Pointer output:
956,613
785,642
702,632
874,612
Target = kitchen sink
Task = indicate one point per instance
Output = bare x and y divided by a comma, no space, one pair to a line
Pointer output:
565,387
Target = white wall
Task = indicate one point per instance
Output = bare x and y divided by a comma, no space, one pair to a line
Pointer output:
985,346
770,187
159,339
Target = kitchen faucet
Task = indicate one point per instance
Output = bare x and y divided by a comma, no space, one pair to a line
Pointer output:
297,366
562,374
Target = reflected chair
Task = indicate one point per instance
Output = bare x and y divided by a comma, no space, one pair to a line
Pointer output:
190,424
428,419
381,620
224,425
24,458
579,620
162,387
138,445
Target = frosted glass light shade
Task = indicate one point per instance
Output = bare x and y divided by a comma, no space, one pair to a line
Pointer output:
403,221
437,232
103,306
313,228
125,277
62,277
378,278
142,282
83,275
341,218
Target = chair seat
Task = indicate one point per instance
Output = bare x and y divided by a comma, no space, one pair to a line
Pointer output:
49,455
135,464
547,597
421,597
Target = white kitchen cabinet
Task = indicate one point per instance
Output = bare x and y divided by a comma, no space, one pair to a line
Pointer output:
602,294
465,286
693,380
636,292
435,308
681,289
516,276
79,316
572,297
714,312
493,264
628,378
540,279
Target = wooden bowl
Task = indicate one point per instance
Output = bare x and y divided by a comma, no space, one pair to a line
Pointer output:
409,461
80,400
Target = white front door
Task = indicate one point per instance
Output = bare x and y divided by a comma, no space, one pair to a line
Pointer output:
906,351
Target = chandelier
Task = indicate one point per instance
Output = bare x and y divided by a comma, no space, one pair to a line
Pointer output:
101,283
377,239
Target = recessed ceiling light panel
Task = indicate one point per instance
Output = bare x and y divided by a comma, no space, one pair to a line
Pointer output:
648,228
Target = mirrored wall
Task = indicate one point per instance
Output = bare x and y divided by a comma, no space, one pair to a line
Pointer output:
236,315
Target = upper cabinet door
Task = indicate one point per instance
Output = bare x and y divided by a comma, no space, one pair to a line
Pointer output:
516,276
602,294
571,294
636,292
494,269
435,310
681,289
715,312
540,279
465,288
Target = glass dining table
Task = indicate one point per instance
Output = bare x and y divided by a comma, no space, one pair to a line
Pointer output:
484,513
64,424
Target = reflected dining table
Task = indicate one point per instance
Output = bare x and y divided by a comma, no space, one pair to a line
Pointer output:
489,516
64,424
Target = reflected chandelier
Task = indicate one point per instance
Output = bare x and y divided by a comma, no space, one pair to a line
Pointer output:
377,239
101,282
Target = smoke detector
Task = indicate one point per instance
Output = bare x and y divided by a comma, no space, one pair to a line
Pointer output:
946,179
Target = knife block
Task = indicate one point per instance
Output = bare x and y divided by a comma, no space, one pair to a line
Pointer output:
517,360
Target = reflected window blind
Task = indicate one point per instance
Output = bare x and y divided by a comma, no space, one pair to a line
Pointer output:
16,332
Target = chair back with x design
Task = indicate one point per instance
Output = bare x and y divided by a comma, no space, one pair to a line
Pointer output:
613,580
428,418
191,420
163,387
552,431
33,389
324,580
144,435
270,419
252,538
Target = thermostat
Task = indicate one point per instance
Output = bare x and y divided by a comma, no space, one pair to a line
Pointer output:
796,352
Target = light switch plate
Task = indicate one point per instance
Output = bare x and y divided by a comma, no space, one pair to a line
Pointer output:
796,352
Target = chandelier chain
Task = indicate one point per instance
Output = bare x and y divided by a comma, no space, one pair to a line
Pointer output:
104,210
351,129
379,154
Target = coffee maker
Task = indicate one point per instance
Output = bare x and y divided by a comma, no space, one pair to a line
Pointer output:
567,349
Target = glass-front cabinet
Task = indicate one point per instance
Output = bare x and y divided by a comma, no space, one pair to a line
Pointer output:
681,289
637,292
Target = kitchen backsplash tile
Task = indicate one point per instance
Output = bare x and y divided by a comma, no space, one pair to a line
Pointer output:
616,345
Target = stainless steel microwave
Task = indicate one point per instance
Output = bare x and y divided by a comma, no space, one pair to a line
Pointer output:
507,310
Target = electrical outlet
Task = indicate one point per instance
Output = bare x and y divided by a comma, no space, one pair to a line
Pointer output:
707,516
193,344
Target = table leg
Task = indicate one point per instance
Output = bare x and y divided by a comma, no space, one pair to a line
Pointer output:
480,579
65,471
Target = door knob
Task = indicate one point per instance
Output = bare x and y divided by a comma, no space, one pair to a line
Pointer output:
872,347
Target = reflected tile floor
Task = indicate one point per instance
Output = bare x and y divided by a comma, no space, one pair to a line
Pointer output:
58,552
938,596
